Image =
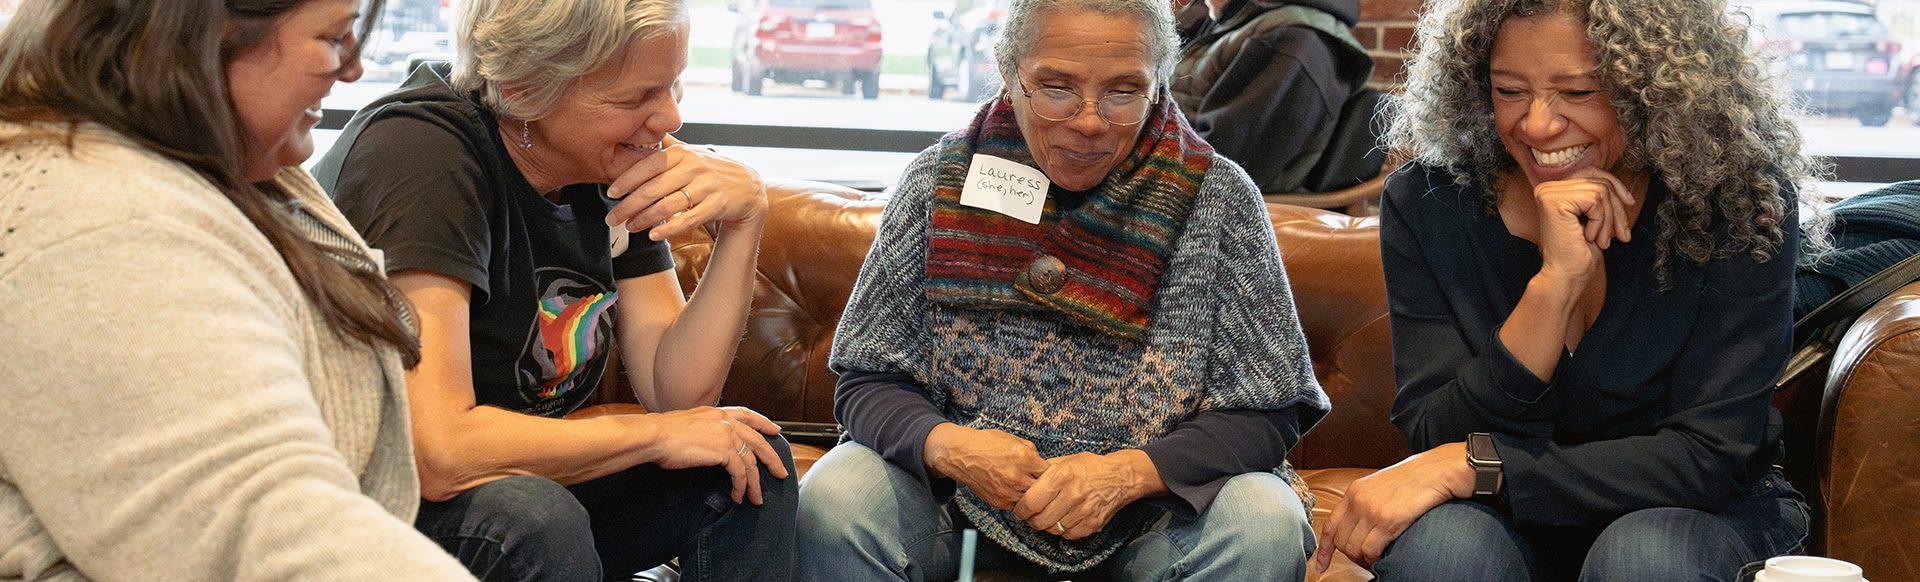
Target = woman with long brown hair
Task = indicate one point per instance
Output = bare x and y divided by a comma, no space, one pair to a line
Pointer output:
204,362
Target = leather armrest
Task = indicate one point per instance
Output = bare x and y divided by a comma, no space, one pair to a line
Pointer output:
1868,443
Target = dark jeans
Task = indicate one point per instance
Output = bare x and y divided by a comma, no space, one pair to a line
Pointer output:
1467,540
531,528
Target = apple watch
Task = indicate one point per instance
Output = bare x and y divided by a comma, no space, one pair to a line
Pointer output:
1485,460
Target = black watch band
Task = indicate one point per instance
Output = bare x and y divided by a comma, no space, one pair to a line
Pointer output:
1484,457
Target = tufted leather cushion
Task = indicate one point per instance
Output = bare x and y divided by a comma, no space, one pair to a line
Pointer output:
809,257
1340,290
815,243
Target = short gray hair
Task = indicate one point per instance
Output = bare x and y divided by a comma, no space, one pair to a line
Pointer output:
537,49
1021,32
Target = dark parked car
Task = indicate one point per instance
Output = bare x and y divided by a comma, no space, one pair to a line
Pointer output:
960,54
1838,56
793,41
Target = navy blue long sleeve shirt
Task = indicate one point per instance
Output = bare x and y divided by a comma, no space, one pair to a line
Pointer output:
1666,401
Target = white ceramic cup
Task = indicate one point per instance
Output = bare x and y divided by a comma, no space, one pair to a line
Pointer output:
1808,569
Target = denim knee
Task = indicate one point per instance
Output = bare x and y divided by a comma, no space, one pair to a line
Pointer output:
788,489
522,528
1261,510
1665,543
838,493
1256,527
1458,540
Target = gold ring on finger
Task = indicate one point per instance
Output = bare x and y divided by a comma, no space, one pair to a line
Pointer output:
743,450
1059,528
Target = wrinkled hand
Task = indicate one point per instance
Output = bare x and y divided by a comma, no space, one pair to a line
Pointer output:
997,466
718,190
1379,507
1079,494
708,437
1579,217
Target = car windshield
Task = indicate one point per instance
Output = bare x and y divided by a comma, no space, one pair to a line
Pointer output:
1831,25
826,4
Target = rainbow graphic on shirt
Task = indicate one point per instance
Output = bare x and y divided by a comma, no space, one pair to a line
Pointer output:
567,331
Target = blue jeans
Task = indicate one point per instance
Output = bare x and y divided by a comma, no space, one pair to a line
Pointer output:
531,528
1467,540
865,519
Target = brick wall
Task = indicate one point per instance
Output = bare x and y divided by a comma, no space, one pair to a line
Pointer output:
1386,29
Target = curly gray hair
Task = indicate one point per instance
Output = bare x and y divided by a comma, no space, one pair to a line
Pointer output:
522,55
1022,33
1695,100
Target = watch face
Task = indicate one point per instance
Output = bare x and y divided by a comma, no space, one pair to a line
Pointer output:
1480,448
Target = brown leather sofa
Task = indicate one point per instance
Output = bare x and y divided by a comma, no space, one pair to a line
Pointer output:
1860,430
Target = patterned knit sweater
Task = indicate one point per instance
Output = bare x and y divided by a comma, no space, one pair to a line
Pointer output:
1223,336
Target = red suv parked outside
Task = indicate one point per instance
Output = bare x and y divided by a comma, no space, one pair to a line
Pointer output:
793,41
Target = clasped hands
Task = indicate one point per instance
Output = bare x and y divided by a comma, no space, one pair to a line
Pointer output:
1071,496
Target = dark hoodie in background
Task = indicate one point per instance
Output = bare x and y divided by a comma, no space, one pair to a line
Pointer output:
1266,82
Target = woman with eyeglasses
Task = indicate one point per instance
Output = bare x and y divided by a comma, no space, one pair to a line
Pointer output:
1074,334
204,365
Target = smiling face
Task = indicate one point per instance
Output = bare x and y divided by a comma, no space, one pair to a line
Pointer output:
615,116
276,85
1554,113
1095,55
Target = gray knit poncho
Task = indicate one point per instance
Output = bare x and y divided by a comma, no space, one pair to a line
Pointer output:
1224,335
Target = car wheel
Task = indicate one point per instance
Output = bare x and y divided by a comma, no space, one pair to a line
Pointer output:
846,85
967,82
739,78
936,90
1876,118
870,85
754,80
1912,99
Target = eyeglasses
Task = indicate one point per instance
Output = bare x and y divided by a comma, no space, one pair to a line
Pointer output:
1054,104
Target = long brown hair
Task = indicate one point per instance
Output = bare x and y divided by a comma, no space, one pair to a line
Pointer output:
154,71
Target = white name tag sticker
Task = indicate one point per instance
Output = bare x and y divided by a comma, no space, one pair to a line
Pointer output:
1006,187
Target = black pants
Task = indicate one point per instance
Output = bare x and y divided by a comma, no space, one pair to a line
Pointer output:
531,528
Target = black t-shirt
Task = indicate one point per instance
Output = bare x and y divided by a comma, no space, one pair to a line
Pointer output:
423,174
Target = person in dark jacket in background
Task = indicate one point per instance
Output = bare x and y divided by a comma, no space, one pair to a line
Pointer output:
1264,81
1871,232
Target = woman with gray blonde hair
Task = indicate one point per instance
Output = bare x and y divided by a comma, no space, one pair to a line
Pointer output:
1590,279
1096,364
523,197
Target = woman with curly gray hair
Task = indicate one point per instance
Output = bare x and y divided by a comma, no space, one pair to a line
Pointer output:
1589,269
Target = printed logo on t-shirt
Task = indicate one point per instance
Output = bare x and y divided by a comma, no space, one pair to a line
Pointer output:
570,327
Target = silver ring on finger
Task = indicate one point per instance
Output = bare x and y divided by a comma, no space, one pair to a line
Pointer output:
743,450
1059,528
688,197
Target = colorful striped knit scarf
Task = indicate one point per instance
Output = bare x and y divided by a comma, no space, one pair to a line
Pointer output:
1114,246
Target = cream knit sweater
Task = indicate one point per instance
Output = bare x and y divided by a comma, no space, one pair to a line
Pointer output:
171,406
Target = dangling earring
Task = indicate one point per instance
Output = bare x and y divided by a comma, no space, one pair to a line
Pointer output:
526,134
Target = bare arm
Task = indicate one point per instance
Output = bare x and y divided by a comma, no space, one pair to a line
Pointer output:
678,351
1537,329
459,445
1576,219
